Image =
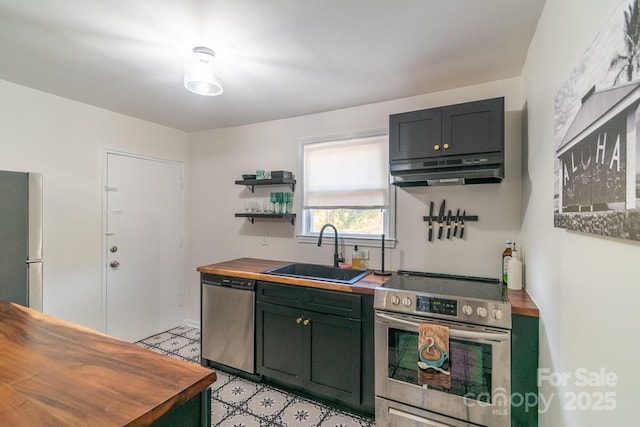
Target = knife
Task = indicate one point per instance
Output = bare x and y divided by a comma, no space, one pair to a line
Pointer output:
449,224
455,224
431,221
441,218
462,224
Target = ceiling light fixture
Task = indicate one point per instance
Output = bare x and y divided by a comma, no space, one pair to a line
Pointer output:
199,74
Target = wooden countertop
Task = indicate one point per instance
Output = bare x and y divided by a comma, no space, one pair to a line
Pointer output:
521,303
252,268
56,373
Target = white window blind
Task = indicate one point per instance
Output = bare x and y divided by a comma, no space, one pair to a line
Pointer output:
349,173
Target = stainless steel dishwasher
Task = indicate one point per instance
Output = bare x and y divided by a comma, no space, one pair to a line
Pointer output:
228,319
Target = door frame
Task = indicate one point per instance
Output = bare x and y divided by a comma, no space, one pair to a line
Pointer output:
103,280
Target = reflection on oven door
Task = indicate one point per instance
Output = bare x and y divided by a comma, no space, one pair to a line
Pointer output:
389,413
480,371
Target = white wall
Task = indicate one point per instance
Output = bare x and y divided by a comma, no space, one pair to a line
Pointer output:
219,157
65,140
587,287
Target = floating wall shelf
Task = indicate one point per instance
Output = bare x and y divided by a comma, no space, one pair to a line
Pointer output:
252,216
251,183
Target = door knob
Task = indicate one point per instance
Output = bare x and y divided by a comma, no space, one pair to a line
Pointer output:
436,147
299,320
306,322
114,264
445,146
113,249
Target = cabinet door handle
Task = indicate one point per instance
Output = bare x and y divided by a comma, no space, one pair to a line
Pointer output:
436,147
299,320
306,322
445,146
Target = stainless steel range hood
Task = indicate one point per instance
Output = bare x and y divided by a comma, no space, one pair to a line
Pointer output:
470,169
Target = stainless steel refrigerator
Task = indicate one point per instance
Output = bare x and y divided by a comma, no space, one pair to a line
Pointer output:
21,238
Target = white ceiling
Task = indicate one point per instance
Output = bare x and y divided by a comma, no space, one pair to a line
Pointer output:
277,58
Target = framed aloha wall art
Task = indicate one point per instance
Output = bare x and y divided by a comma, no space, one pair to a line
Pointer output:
597,120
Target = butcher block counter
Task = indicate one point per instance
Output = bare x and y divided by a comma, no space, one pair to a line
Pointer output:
522,304
55,373
252,268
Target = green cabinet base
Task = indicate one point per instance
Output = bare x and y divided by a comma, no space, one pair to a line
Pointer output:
524,370
317,342
195,412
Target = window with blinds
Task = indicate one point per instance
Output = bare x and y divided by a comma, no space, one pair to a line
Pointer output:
346,183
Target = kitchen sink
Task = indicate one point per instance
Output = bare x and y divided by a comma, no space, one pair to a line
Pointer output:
319,272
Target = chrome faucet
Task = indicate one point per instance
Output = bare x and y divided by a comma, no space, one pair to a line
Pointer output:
337,257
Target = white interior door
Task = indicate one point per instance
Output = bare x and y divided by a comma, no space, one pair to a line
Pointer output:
143,251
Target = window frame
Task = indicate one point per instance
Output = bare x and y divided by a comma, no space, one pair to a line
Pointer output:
305,235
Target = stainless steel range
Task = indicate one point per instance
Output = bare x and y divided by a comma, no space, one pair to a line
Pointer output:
475,365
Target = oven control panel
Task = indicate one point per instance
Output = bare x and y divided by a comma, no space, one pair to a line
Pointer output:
467,310
425,304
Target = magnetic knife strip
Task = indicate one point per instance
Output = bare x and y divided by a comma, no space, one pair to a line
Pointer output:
448,222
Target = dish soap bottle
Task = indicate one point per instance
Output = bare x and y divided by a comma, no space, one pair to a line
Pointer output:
356,259
506,257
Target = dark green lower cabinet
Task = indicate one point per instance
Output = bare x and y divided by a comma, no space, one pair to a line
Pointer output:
332,348
195,412
313,343
524,370
368,401
279,343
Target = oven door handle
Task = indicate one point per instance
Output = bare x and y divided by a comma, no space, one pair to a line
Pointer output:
416,418
453,333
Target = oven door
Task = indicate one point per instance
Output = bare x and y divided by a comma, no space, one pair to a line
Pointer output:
480,371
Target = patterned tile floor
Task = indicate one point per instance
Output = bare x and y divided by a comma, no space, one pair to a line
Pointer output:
237,402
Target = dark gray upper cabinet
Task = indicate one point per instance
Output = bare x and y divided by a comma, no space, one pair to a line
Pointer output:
469,128
474,127
407,128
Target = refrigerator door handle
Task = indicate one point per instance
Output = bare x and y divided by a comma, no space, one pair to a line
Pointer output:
34,288
34,260
35,216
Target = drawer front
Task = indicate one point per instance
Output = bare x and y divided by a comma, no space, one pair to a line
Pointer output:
318,300
333,302
275,293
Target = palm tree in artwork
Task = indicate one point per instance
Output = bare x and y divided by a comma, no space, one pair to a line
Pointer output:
629,62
